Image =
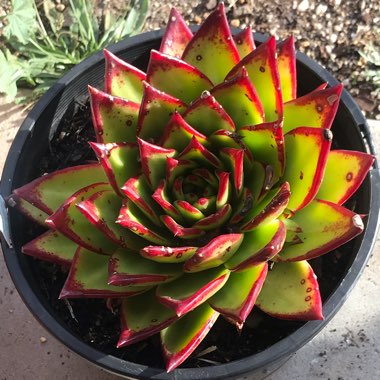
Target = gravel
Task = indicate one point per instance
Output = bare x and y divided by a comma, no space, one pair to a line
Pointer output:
332,32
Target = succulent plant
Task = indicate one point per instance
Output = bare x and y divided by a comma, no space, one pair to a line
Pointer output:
214,186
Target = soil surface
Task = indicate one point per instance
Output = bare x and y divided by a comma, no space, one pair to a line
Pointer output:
333,32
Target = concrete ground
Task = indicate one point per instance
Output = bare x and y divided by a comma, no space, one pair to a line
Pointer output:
347,349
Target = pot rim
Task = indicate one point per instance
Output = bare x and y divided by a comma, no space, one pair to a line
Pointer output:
276,353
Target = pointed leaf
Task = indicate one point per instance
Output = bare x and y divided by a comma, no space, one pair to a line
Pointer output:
233,160
114,119
129,268
132,218
101,210
238,296
195,151
291,292
266,143
223,195
177,134
181,338
212,49
163,254
155,112
139,192
88,278
177,168
122,79
316,109
213,221
32,212
161,197
51,246
345,171
180,231
192,289
240,100
177,35
244,42
215,253
270,208
42,192
325,226
286,64
119,162
153,161
262,70
306,153
189,81
189,212
69,221
207,116
141,317
259,245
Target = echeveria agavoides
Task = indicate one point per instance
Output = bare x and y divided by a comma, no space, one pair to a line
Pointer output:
214,185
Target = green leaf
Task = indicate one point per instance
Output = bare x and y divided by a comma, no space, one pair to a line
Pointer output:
135,19
143,316
291,292
21,21
181,338
88,277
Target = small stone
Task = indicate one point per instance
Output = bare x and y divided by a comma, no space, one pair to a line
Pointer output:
197,19
321,9
333,38
60,7
235,23
211,4
303,5
43,339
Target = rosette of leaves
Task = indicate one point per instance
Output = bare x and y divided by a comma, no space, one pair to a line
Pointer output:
214,186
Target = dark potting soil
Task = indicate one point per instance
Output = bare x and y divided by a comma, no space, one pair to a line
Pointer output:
98,326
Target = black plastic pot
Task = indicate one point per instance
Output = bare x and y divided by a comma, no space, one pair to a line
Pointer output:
350,132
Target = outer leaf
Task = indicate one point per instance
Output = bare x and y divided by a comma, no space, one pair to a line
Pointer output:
101,210
291,292
286,64
307,150
259,245
129,268
88,277
119,162
192,289
212,49
70,222
155,112
239,98
238,296
33,213
244,42
316,109
141,317
177,35
233,159
262,69
266,143
51,246
181,338
215,253
345,171
325,226
122,79
189,81
114,119
207,116
42,192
